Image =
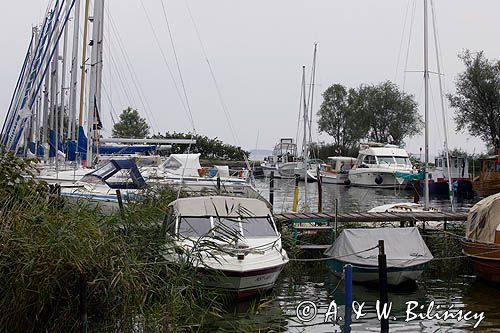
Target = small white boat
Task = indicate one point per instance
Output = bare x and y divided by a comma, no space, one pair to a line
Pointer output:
377,165
102,186
337,170
311,171
406,207
405,250
250,257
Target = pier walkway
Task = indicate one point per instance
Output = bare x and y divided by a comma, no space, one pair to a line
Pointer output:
373,217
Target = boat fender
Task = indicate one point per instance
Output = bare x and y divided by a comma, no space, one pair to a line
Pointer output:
379,180
347,182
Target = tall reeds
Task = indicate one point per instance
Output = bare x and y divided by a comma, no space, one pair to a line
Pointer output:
69,267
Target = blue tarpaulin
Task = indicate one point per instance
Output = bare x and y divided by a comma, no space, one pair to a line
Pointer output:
82,144
109,150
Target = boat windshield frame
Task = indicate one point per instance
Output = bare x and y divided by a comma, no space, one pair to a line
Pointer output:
212,231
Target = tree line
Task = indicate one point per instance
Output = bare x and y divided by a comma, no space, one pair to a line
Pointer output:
380,113
371,112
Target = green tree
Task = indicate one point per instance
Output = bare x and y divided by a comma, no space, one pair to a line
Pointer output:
380,113
477,98
213,149
389,114
338,118
131,125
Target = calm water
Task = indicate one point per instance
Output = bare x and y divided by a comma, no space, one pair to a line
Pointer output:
447,283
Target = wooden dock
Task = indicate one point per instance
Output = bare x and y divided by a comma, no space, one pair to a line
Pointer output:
375,217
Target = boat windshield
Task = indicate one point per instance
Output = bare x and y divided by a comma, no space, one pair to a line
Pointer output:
385,159
258,227
402,160
227,227
194,226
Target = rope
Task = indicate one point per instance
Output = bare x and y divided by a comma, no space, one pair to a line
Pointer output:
337,257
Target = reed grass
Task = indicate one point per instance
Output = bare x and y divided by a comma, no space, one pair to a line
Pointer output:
69,267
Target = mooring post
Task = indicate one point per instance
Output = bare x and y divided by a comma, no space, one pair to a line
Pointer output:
120,200
83,301
382,282
336,217
271,188
348,297
218,184
320,191
296,194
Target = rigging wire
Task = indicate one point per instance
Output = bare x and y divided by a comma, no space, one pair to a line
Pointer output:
188,105
402,39
216,84
169,69
144,101
409,43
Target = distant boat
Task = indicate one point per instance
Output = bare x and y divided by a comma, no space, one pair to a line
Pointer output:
460,178
482,238
251,255
406,252
377,165
488,181
336,170
283,161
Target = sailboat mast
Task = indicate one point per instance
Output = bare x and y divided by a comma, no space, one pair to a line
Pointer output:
74,74
443,109
84,60
304,141
95,77
426,109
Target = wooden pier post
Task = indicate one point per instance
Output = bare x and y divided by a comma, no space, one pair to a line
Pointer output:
348,298
382,277
320,191
271,189
83,301
218,184
336,217
296,194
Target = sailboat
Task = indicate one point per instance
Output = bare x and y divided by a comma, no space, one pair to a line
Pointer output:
307,168
426,175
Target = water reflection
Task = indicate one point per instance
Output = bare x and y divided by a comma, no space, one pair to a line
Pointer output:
447,282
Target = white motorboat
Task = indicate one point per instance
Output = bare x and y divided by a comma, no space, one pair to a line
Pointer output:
377,166
337,169
406,253
249,257
283,161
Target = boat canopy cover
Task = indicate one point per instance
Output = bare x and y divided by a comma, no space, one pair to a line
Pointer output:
410,176
131,177
183,164
404,247
483,220
222,206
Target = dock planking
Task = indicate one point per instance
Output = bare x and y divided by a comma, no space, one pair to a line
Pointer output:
377,217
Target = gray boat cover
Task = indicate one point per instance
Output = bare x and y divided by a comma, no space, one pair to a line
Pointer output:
222,206
404,247
483,220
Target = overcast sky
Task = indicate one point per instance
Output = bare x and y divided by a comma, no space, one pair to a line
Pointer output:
256,49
